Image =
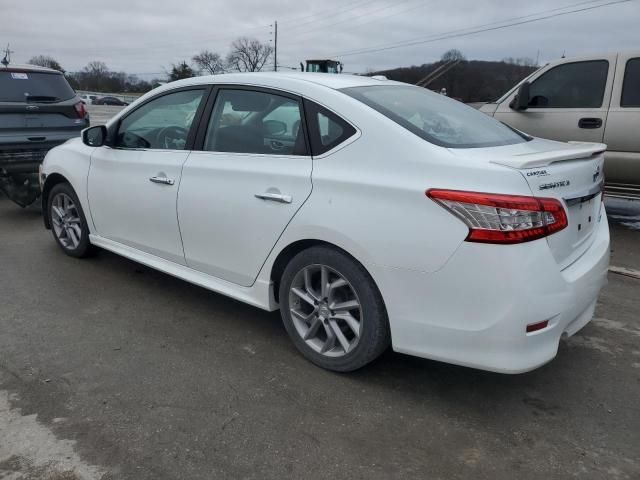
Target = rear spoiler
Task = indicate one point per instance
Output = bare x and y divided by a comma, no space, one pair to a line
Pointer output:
572,151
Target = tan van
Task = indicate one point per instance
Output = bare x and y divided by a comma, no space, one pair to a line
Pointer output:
593,98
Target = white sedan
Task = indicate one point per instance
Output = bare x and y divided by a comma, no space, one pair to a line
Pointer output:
371,213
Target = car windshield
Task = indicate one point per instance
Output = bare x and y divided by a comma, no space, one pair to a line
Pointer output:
25,86
436,118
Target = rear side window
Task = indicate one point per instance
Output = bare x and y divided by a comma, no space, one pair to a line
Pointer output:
435,118
255,122
631,85
571,85
34,87
326,129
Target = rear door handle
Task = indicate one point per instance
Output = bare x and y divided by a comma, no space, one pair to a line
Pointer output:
274,197
162,180
590,123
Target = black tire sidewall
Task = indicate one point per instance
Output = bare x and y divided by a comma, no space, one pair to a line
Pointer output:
84,247
375,337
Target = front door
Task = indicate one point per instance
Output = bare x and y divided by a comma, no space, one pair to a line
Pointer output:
133,184
239,192
569,101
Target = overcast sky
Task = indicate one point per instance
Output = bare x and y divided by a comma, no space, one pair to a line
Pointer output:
146,37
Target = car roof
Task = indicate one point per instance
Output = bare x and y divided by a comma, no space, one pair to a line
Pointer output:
331,80
27,68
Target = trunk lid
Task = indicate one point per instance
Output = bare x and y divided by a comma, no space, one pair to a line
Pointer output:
569,172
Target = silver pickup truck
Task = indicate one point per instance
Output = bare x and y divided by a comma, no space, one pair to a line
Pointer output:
38,110
593,98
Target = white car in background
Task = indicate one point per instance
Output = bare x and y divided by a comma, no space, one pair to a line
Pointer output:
370,212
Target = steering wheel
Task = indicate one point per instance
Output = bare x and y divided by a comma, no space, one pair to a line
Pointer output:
172,137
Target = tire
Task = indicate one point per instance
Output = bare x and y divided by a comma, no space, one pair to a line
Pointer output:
68,223
325,324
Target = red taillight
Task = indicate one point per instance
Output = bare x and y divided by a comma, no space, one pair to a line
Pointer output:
80,109
497,218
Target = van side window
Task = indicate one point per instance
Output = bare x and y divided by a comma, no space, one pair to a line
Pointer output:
571,85
631,85
326,129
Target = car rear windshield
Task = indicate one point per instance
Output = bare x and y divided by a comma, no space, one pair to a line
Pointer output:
19,86
436,118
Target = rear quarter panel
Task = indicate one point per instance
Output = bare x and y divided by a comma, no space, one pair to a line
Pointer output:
369,196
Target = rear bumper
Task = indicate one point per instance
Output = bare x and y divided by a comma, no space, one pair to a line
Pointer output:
474,311
24,157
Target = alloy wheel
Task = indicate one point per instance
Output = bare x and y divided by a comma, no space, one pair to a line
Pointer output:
66,221
325,310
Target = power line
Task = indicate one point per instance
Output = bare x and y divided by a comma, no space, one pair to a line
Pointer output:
489,24
478,29
331,13
365,14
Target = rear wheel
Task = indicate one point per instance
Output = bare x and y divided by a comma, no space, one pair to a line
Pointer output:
333,310
68,223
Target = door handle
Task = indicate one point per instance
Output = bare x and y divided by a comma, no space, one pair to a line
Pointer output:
590,123
162,180
274,197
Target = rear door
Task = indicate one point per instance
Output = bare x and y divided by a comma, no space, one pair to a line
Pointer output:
569,101
623,125
239,192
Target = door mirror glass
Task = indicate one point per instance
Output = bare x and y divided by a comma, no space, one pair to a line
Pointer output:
521,100
275,127
95,136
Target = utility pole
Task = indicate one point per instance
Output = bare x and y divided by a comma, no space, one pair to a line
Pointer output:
7,56
275,47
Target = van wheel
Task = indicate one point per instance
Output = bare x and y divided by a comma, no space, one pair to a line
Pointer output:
67,220
333,310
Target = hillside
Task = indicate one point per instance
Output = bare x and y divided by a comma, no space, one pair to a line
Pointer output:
470,80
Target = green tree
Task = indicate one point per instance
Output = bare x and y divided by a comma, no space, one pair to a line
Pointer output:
182,70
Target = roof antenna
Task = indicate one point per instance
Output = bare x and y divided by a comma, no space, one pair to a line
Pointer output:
564,54
7,56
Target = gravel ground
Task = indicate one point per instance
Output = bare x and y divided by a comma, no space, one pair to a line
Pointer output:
111,370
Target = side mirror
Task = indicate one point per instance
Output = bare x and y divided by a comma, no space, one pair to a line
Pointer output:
95,136
275,127
521,101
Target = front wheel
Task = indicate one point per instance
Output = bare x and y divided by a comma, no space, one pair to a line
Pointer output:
333,310
68,223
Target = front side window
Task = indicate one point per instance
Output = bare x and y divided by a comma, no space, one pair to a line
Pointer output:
571,85
631,85
247,121
435,118
163,123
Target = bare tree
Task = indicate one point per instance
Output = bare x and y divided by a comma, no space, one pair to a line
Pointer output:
248,54
209,62
453,54
96,68
46,61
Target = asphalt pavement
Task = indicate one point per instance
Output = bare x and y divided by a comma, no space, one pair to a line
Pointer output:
111,370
